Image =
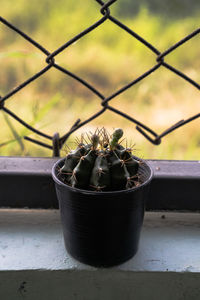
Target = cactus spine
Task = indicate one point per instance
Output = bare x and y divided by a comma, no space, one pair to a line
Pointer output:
101,165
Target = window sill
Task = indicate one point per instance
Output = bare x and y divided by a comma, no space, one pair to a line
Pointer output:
34,263
27,182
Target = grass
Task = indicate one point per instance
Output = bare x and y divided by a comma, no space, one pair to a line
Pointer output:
108,58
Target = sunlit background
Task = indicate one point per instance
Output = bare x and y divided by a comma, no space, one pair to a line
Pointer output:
107,58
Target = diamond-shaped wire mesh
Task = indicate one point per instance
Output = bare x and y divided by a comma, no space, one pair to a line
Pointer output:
104,104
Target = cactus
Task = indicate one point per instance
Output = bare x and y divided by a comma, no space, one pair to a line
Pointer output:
103,164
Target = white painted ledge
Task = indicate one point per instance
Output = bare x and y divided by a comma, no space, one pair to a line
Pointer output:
34,263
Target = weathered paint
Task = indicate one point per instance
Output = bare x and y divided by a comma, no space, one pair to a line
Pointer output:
35,265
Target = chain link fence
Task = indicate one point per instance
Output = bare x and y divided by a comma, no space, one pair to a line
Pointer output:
57,142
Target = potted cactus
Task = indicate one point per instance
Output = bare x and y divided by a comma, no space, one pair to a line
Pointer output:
102,189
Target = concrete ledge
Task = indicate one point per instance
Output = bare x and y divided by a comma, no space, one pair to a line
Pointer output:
26,182
34,263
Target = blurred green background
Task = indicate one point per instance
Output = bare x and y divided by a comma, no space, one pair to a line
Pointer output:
108,58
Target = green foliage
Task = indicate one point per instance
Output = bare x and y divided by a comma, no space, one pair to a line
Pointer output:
108,58
172,9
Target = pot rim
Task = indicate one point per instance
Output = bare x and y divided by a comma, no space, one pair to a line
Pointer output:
77,190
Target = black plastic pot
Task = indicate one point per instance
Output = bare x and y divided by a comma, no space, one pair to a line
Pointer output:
102,228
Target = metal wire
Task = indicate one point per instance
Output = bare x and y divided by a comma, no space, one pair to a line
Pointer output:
57,141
